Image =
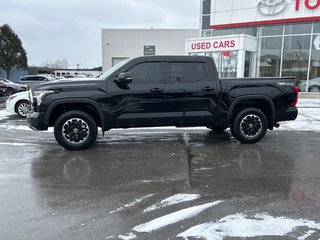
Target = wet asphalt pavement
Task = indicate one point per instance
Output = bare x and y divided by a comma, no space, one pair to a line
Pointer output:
47,192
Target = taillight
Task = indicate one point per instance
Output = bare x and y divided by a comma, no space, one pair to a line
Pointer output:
296,91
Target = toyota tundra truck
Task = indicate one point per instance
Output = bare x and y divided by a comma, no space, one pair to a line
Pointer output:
181,91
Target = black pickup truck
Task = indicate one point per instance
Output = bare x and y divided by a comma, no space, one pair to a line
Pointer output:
153,91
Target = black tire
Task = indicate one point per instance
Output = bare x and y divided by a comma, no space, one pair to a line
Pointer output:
75,130
314,88
23,108
10,91
249,126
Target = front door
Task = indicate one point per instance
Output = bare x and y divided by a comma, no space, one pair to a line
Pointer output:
141,102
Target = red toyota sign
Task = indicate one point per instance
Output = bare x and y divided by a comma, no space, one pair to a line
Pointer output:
310,4
230,14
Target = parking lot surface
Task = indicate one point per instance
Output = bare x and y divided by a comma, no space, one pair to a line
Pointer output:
163,183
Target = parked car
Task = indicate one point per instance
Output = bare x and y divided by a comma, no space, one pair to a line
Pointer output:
3,89
12,87
34,80
181,91
19,103
313,86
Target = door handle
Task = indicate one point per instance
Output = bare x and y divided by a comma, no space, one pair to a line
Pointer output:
157,90
207,89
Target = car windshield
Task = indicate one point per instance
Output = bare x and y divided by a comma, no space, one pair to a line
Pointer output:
113,69
50,77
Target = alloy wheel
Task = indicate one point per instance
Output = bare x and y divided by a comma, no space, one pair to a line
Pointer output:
75,130
251,125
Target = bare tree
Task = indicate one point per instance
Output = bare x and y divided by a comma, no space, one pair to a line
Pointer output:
58,64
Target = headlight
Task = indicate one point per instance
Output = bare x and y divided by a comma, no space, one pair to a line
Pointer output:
40,95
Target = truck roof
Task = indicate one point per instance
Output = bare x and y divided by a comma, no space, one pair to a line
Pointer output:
173,58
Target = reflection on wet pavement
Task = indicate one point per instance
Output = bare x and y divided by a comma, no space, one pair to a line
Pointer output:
51,193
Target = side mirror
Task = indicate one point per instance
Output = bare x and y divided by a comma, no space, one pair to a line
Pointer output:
124,78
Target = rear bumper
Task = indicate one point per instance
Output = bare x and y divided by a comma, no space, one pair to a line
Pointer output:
290,114
37,122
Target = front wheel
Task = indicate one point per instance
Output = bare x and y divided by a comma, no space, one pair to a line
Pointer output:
249,125
23,108
75,130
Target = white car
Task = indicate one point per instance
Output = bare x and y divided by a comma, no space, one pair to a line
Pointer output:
19,103
313,86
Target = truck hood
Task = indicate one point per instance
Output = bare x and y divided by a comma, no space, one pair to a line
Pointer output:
64,84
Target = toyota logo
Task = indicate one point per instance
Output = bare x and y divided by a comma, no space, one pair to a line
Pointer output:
272,7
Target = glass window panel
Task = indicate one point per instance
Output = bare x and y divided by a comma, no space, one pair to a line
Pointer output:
149,50
314,83
302,28
296,57
247,31
229,64
273,30
206,7
269,57
206,22
248,64
148,72
187,72
223,32
316,27
206,33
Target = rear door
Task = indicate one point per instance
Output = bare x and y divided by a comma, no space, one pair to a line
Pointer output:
191,93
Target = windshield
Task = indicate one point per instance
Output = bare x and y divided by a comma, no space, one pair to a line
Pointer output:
113,69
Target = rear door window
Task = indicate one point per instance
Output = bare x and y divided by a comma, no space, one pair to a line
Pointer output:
186,72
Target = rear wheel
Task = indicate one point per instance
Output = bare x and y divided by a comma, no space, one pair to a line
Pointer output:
75,130
23,108
249,125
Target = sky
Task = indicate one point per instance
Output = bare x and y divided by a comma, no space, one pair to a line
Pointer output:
51,30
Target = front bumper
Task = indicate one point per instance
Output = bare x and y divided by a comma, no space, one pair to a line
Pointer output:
10,107
37,122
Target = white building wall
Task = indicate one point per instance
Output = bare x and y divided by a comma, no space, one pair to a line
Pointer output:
125,43
236,13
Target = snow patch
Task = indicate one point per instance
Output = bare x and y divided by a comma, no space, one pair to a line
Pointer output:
129,236
4,115
18,144
175,199
240,225
173,217
138,200
308,234
308,103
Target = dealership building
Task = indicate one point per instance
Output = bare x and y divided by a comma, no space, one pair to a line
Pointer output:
247,38
261,38
120,44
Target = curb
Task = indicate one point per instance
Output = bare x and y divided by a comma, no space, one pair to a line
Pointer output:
309,95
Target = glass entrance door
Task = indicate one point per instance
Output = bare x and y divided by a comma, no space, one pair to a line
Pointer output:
248,64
